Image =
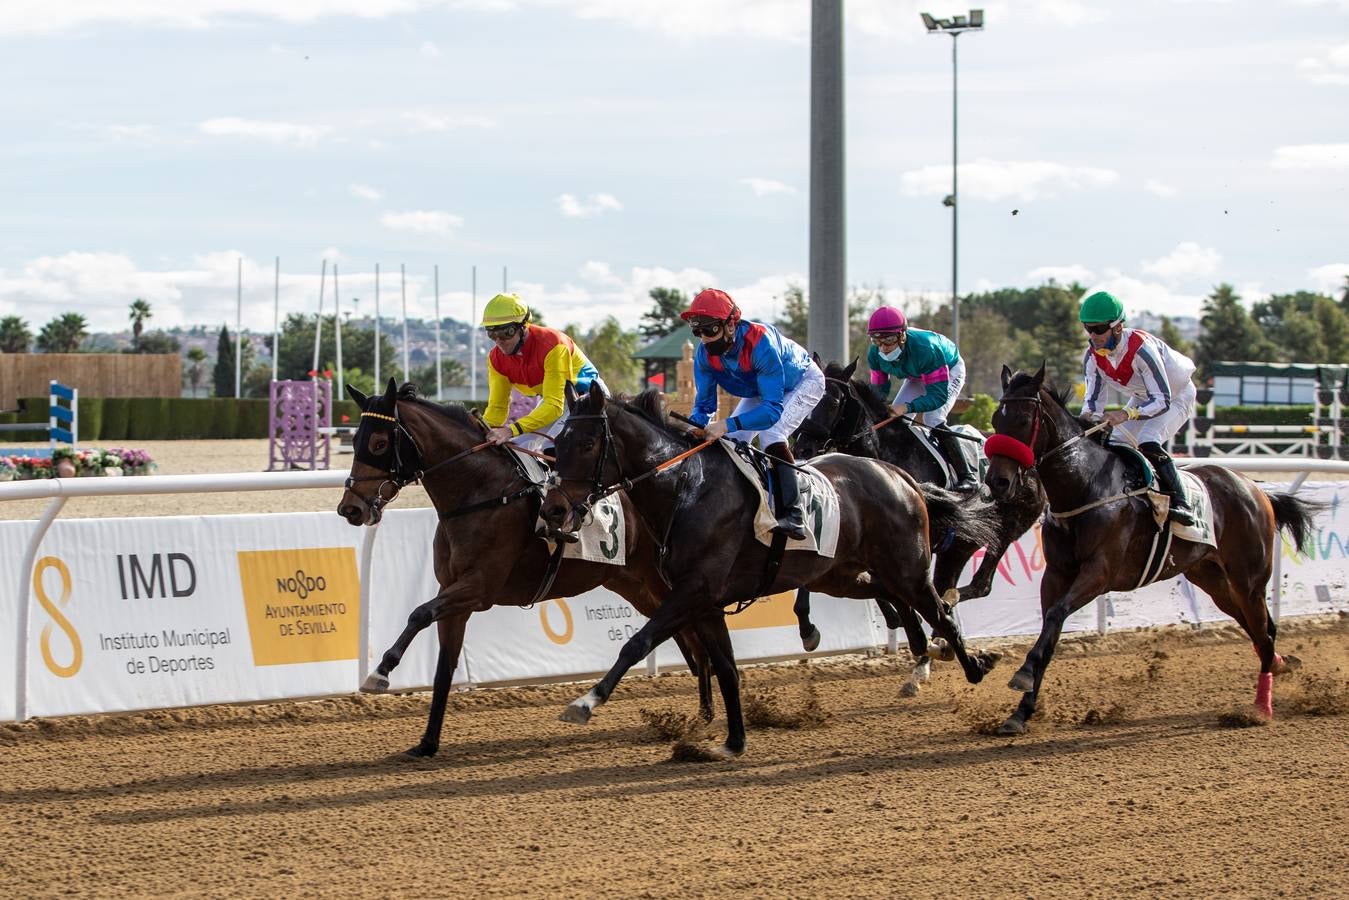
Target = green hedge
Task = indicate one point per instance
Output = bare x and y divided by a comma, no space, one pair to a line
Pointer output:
1264,415
116,413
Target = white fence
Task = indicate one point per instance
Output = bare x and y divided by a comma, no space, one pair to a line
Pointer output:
142,613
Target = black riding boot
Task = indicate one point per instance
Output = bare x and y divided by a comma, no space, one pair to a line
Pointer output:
787,493
1168,479
949,445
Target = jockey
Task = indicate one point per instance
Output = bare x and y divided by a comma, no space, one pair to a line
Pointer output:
932,374
536,361
778,381
1154,377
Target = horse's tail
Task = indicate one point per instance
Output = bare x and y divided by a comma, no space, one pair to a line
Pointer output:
1294,515
956,515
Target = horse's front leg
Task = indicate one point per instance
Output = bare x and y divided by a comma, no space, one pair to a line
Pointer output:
903,615
673,615
1061,595
810,635
453,600
447,660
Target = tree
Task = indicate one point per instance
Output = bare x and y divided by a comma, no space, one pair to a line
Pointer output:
1229,333
1059,334
295,350
1170,335
223,373
195,369
989,337
140,311
158,341
795,319
610,349
452,374
63,334
14,335
663,317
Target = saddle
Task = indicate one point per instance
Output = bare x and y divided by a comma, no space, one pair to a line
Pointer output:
819,501
973,451
1140,475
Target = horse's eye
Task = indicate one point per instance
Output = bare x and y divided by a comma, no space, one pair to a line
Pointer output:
587,445
379,444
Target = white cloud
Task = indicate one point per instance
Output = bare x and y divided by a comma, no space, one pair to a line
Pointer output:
1330,279
1333,68
987,179
1070,13
1148,296
422,222
129,132
1311,156
574,208
600,274
365,192
1159,188
429,49
1061,274
1187,260
275,132
764,186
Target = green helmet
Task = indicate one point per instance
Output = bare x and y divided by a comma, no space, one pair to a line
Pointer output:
1101,306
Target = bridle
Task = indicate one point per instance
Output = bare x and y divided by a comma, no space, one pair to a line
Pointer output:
1023,452
848,421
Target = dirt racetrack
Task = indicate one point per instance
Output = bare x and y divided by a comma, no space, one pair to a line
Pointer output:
1129,783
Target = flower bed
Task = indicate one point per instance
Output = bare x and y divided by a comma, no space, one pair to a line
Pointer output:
87,462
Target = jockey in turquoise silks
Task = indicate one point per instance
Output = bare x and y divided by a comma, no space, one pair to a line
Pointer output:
777,380
931,374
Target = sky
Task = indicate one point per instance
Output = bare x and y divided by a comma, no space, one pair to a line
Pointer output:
594,149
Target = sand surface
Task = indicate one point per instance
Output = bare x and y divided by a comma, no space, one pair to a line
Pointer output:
864,793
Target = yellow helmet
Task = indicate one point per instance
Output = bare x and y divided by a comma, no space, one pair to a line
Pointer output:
504,309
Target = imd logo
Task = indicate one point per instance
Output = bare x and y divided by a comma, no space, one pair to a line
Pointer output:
53,609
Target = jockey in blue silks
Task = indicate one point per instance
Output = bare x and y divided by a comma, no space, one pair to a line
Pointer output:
777,380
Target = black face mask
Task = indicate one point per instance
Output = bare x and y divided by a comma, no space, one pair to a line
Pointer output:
719,346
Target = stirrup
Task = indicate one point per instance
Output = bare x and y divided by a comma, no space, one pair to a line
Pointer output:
793,525
1182,515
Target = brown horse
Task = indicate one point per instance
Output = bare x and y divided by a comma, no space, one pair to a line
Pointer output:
708,508
485,545
1099,536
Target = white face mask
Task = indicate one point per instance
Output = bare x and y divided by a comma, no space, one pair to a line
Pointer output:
891,355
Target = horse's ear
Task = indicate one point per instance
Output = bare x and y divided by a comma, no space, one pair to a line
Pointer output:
1006,377
357,396
815,356
391,392
569,392
1039,378
852,367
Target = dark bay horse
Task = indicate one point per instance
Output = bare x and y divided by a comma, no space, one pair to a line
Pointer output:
708,509
1097,539
485,551
843,420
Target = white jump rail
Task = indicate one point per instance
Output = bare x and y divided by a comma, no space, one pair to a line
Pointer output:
59,490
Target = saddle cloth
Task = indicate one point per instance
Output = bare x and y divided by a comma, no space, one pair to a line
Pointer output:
601,538
819,503
1196,494
973,451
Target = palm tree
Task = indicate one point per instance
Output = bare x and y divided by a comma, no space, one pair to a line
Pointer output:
14,335
63,334
140,311
196,369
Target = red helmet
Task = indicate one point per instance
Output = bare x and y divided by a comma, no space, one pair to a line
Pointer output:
712,304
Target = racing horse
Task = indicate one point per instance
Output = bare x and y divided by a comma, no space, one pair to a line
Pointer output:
485,550
1099,533
851,418
708,509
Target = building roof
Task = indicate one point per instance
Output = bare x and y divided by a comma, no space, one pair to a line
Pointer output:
1323,373
669,347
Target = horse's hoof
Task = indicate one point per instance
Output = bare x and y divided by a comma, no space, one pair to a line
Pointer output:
576,712
812,640
421,751
726,751
1022,681
1013,725
989,658
941,650
375,683
910,689
1290,662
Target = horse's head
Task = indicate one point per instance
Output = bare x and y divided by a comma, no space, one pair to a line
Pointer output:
836,419
1029,423
586,460
386,457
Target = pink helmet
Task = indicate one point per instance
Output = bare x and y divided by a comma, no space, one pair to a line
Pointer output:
887,318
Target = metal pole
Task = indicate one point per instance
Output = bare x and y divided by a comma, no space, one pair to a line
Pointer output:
440,394
318,323
473,336
239,333
377,341
503,279
955,200
276,318
827,329
337,331
402,271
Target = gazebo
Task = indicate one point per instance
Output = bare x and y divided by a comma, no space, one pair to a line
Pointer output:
659,358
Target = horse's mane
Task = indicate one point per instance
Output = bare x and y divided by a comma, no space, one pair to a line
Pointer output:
650,405
456,412
1060,395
